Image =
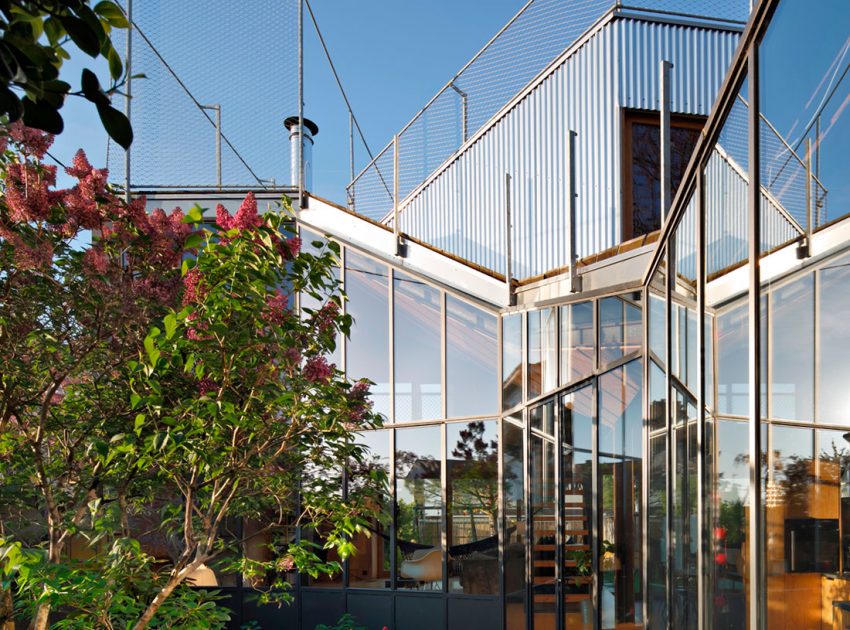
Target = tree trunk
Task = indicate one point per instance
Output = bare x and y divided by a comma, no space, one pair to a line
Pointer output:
7,609
42,618
173,582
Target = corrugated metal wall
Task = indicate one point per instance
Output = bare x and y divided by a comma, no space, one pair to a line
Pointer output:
461,209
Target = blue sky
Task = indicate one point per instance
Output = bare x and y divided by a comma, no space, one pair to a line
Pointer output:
392,58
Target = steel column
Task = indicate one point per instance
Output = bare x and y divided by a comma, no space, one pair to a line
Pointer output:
702,477
128,69
757,612
664,140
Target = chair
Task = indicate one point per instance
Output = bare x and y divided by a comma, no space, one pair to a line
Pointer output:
425,565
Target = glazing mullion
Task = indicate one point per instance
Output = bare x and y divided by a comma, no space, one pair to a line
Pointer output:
646,455
702,543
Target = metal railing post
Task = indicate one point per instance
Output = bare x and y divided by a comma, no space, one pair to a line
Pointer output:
572,194
351,159
301,104
509,293
128,69
399,245
666,172
464,127
809,220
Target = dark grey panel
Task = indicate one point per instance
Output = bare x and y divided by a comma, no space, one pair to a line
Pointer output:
370,610
419,612
269,617
321,606
468,613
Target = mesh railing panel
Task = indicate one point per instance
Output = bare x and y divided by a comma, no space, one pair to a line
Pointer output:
226,54
536,36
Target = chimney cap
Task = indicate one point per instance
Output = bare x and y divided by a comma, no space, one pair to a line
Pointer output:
292,121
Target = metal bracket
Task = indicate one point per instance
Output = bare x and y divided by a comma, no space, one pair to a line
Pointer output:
803,250
400,247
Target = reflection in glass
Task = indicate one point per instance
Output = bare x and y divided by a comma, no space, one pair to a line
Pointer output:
620,465
513,491
419,508
368,356
804,95
732,364
471,360
728,505
369,567
726,184
416,309
684,491
657,323
578,341
542,418
542,351
511,361
543,523
577,412
792,337
472,496
834,341
620,328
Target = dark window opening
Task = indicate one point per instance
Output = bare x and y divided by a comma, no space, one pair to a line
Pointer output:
642,162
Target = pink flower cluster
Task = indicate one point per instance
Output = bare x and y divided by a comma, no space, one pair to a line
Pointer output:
192,290
317,369
359,403
32,142
289,248
28,192
325,317
246,217
277,308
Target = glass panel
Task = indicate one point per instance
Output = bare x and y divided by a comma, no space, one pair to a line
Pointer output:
657,318
369,567
804,97
684,534
323,481
833,449
417,352
729,501
368,356
543,419
578,341
542,348
472,497
419,508
833,342
471,360
793,348
656,536
543,520
619,329
577,411
513,479
726,183
511,361
620,465
732,365
801,527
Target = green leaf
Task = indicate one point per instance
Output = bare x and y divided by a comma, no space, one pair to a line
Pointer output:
153,352
194,215
194,240
135,399
170,322
111,13
42,115
81,34
91,87
116,67
116,124
139,423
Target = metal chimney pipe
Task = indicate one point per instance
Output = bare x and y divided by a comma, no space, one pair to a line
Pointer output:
297,139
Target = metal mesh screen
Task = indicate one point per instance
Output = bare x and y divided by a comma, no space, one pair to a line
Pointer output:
242,58
532,40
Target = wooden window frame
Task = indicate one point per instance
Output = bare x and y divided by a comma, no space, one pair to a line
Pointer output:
628,118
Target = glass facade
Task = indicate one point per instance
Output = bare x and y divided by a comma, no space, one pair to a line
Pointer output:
671,453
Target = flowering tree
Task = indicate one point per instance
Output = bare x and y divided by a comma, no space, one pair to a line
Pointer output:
70,319
239,405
